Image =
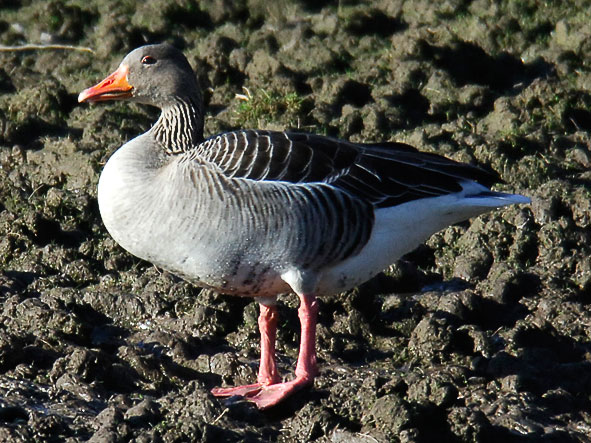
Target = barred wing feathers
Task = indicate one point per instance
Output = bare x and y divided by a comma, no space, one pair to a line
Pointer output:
384,174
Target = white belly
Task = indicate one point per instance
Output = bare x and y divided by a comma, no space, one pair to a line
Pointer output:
397,231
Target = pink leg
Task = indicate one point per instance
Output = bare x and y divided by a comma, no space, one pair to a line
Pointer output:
268,327
267,369
306,368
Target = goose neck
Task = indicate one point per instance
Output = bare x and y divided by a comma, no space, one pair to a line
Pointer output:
180,126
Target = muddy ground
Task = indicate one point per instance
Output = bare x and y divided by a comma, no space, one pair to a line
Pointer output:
483,334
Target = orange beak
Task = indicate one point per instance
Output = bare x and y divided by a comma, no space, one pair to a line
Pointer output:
114,87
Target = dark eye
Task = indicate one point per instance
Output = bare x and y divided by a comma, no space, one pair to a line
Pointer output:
147,60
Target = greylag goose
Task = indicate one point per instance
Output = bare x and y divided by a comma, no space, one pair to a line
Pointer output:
259,213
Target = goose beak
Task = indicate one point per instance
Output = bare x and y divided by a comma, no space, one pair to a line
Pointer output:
114,87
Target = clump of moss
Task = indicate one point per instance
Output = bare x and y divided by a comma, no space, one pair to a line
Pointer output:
264,107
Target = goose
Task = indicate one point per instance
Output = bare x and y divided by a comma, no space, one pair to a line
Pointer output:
259,213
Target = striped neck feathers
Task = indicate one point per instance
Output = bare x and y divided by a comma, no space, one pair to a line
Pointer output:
180,126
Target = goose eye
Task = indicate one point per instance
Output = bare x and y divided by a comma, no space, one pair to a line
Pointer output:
147,60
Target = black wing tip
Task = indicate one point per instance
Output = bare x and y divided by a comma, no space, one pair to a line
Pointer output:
489,176
482,174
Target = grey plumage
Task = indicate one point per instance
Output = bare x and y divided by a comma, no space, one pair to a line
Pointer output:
239,210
